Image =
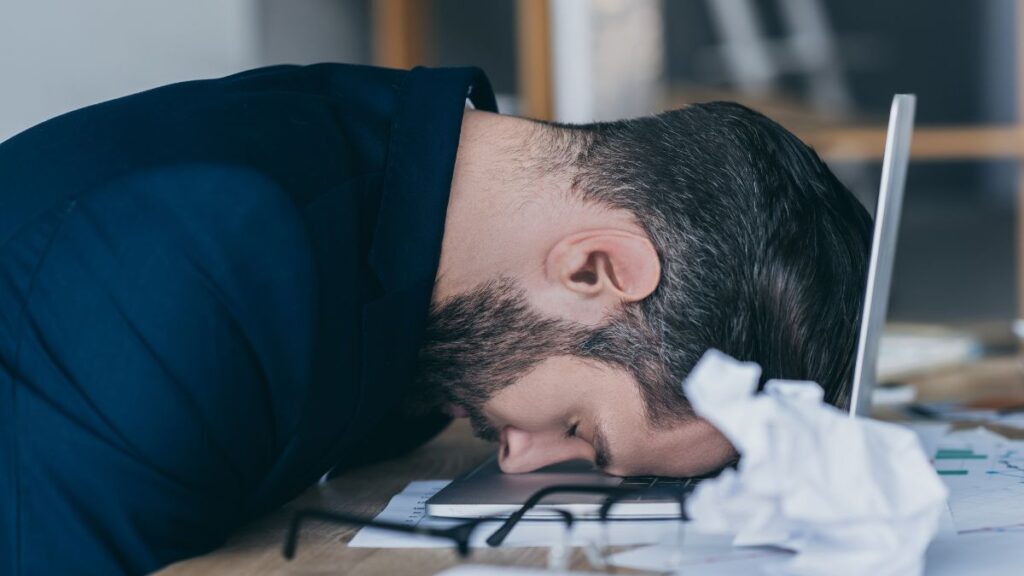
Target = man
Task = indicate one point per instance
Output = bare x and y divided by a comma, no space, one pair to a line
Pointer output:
213,293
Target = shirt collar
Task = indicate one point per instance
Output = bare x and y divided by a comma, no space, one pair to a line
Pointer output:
406,246
424,141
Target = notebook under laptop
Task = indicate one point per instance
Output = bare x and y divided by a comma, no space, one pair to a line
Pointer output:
485,490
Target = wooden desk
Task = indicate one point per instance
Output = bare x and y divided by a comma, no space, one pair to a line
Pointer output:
257,548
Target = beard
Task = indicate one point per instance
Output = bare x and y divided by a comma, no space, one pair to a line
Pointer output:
477,343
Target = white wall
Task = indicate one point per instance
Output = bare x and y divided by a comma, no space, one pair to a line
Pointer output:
308,31
608,58
58,55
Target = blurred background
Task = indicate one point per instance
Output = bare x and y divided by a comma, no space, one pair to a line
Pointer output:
826,69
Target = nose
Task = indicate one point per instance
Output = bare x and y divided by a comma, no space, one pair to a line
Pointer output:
523,451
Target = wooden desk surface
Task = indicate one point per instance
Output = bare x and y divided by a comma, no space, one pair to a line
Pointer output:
257,548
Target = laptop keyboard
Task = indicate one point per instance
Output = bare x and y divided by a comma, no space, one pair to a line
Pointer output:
688,484
652,481
648,486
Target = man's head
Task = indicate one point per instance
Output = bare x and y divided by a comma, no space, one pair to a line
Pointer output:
585,270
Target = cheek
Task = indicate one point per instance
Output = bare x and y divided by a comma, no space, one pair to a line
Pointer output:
691,450
516,407
547,395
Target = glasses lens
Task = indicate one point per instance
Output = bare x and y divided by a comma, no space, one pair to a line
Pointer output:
619,521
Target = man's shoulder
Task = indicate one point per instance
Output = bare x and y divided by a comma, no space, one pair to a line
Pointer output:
324,77
280,88
307,128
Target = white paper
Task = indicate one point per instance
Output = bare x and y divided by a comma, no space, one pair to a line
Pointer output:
958,412
492,570
986,486
987,554
701,554
850,496
985,476
409,507
930,434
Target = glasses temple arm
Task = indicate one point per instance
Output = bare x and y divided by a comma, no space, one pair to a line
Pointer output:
499,535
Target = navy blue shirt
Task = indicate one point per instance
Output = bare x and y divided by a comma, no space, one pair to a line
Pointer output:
211,293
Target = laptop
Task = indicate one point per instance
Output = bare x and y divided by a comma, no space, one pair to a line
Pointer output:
486,491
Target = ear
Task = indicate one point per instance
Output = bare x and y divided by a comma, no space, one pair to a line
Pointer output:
613,266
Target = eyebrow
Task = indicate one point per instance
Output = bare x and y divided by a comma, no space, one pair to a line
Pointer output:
602,457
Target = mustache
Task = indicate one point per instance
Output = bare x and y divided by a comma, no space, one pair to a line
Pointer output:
481,425
482,428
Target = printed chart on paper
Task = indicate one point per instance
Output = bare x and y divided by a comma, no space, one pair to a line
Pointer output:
985,476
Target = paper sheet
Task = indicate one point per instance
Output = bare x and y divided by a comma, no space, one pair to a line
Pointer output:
991,554
930,434
988,554
958,412
409,507
492,570
702,554
985,476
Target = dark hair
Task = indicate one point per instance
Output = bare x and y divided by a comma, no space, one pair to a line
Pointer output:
764,252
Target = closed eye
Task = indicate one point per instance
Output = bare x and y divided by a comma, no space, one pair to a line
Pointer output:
571,432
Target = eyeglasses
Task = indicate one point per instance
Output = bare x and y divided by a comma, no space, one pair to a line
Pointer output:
596,547
597,550
459,534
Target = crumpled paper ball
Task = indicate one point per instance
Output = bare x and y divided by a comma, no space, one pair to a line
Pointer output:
849,496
